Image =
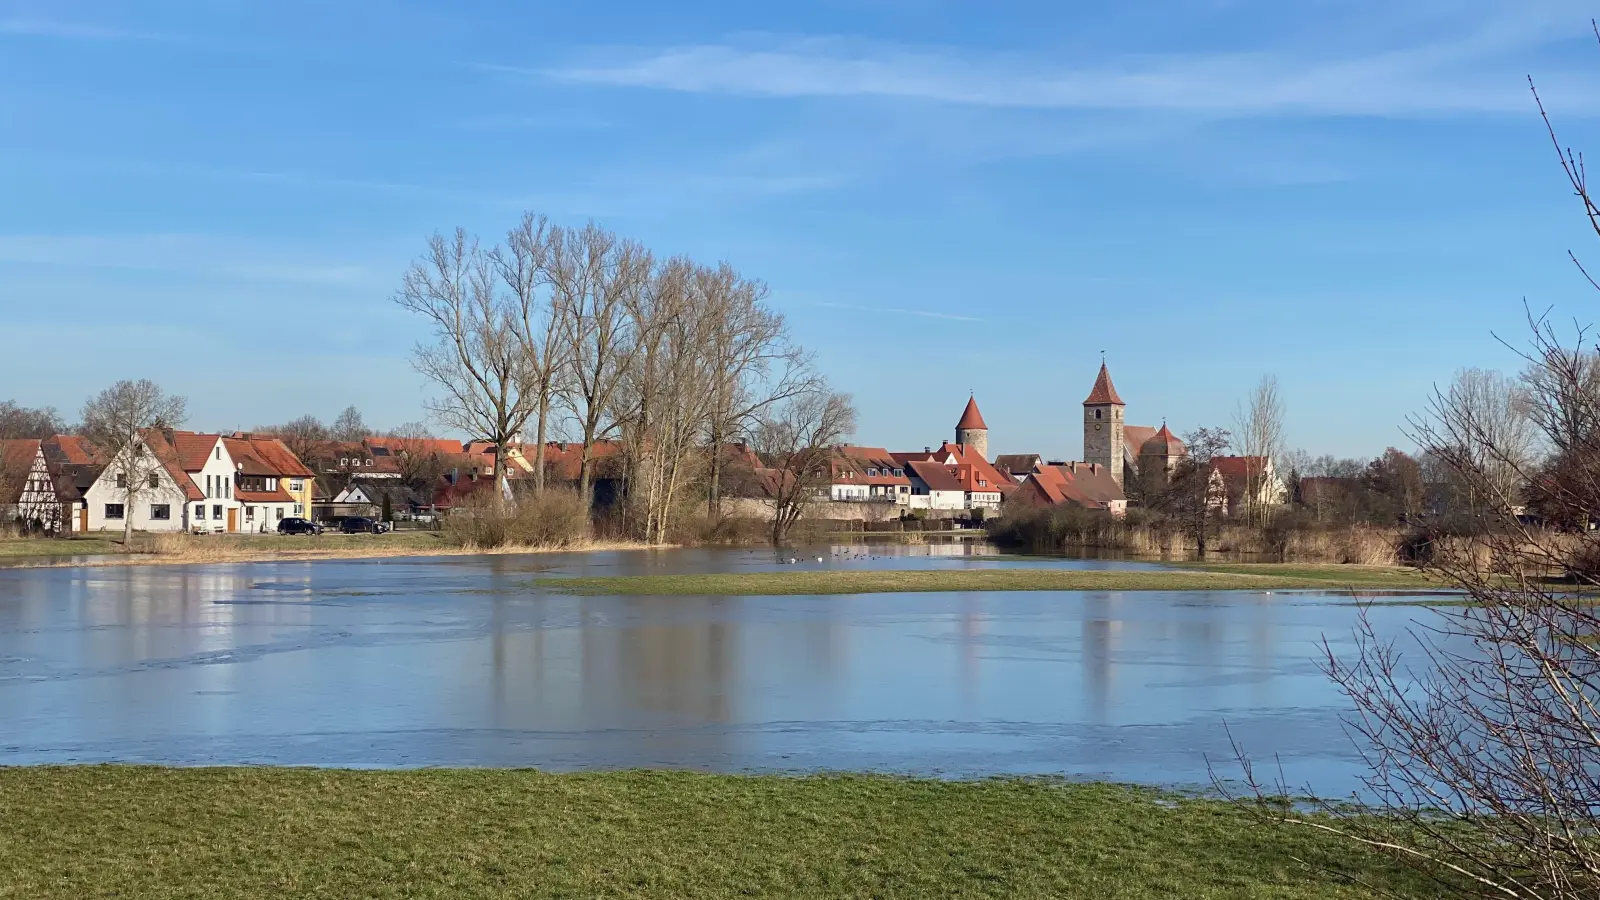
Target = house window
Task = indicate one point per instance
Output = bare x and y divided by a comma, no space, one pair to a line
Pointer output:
899,473
872,473
369,462
199,511
249,513
280,513
122,482
216,511
155,480
160,512
344,460
219,452
114,511
297,485
299,509
982,483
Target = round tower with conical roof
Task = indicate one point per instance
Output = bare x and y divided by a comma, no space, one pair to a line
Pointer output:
971,432
1158,456
1103,425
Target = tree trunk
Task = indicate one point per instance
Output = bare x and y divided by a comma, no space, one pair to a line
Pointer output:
538,452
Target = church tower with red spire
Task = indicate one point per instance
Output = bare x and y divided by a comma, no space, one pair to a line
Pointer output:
971,432
1103,425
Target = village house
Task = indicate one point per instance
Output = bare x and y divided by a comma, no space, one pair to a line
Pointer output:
1247,481
161,505
29,491
1088,485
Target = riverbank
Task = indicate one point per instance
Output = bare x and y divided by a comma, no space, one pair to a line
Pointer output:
154,832
148,550
1190,577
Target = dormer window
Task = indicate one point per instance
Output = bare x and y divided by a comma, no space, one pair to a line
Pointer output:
899,473
872,473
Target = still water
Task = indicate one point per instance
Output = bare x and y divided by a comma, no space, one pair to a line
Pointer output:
461,661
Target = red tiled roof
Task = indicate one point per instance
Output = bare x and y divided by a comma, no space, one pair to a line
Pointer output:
937,476
17,455
979,469
193,449
278,455
74,450
1079,483
970,417
1104,391
1163,442
172,462
846,469
427,446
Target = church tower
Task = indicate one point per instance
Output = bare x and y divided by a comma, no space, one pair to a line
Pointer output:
971,432
1102,425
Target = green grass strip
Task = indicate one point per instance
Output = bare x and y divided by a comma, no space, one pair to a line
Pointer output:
73,833
825,581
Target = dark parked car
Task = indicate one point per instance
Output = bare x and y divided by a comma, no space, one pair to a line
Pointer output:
362,525
299,526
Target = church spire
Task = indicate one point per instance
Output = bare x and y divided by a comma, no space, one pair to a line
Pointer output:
1104,391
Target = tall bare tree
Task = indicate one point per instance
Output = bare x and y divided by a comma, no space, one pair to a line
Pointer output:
598,279
1195,494
1258,431
541,324
122,421
477,361
796,440
349,426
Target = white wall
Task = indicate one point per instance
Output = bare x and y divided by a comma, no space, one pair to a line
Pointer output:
105,491
215,480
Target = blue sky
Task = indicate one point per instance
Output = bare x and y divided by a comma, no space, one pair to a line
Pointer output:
943,196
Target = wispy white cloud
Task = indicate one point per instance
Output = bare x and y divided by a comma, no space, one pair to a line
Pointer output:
1438,75
175,253
922,313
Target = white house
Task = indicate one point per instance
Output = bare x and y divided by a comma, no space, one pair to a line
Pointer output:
934,486
205,460
160,505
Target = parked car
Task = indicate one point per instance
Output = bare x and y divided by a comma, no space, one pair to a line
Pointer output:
362,525
298,526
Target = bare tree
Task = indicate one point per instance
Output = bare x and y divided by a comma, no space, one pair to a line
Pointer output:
123,422
542,320
1484,417
1482,737
796,440
349,426
755,365
23,422
597,278
1195,494
1258,429
303,436
488,389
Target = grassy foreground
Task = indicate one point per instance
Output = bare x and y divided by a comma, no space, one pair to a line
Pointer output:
800,580
250,833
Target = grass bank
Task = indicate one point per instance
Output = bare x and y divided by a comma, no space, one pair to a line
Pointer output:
177,549
71,833
800,580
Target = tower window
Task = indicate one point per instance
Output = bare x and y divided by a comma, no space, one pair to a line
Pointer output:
1097,413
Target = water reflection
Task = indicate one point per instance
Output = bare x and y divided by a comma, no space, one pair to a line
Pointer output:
459,661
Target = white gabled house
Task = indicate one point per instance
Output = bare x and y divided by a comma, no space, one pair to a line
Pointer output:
161,504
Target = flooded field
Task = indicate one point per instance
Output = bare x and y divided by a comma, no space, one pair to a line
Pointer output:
462,661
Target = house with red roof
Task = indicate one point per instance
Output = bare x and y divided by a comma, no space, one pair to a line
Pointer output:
868,474
1087,485
1247,480
95,487
27,490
